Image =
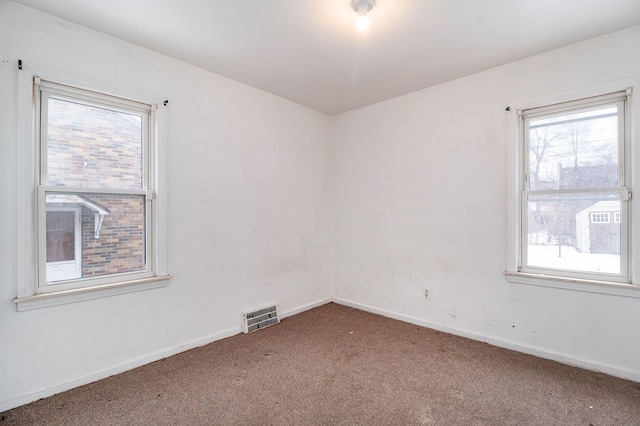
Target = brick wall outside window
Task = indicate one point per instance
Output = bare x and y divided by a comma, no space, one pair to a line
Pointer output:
100,148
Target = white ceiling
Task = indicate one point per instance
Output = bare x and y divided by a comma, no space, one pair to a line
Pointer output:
309,51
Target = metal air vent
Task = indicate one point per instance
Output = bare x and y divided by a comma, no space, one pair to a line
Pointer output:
261,318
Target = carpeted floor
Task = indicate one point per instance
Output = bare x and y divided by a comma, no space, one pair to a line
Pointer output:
335,365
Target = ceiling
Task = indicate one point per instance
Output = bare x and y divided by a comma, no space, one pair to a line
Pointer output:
309,51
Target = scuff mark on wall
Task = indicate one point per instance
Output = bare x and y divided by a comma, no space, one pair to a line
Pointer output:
452,315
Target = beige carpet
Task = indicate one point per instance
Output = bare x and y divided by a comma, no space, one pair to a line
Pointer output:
335,365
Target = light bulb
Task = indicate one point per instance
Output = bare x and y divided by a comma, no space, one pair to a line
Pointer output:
362,7
362,22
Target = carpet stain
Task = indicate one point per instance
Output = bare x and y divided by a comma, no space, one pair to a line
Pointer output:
425,417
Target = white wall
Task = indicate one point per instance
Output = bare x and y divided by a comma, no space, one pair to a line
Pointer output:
420,200
248,218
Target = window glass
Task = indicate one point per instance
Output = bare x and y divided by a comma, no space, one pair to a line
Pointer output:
94,147
572,189
112,231
61,230
570,232
574,151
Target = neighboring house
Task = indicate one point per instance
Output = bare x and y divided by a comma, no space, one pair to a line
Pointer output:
598,228
68,216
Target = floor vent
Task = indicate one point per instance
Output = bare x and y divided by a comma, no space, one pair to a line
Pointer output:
260,319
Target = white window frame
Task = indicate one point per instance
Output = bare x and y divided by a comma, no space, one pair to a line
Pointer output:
45,90
616,217
32,292
619,99
626,284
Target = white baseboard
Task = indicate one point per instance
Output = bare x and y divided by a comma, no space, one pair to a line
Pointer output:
43,392
502,343
47,391
306,307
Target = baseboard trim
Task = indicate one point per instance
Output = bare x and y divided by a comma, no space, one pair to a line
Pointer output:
120,368
298,310
44,392
502,343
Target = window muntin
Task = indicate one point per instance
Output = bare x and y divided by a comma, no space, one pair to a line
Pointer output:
600,217
575,174
94,153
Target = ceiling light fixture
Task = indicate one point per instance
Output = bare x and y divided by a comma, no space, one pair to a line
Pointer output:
362,7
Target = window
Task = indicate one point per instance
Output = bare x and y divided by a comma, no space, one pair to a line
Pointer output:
95,194
95,206
600,218
574,176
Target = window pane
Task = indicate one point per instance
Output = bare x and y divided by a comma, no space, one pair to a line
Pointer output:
93,147
574,232
61,235
574,151
111,228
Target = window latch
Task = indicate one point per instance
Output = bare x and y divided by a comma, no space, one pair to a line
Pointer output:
625,194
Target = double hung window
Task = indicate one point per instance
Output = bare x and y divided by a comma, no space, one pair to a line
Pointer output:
574,196
94,188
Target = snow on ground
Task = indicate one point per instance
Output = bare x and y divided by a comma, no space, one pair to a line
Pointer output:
547,257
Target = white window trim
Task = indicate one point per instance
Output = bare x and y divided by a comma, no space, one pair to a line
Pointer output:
515,173
27,257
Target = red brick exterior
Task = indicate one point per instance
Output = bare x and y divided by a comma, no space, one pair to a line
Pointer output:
120,247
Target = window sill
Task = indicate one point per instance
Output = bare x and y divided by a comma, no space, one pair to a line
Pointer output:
44,300
575,284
